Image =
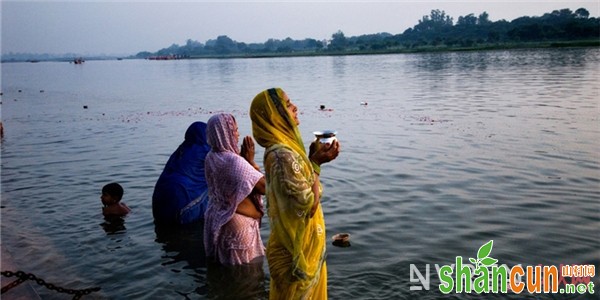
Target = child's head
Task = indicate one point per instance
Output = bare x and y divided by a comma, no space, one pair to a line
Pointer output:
112,193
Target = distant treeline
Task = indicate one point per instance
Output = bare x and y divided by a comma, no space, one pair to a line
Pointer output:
436,31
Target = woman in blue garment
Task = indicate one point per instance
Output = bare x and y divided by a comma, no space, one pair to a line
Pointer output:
181,194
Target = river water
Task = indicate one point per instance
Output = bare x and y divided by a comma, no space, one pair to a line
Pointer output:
452,150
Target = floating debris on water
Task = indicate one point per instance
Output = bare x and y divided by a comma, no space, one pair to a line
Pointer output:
341,240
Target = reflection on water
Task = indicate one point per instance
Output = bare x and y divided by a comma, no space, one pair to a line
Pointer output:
113,224
454,149
185,244
237,282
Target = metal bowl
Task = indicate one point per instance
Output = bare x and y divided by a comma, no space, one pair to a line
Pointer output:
325,136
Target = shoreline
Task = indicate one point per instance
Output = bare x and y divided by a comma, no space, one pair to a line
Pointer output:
429,49
425,49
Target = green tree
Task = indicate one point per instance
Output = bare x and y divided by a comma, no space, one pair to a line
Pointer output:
270,45
338,41
468,20
436,30
225,45
172,50
582,13
484,19
191,47
436,20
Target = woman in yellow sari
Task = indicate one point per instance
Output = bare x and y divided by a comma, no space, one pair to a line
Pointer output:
296,248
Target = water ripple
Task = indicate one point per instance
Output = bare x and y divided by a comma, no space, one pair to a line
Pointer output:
453,149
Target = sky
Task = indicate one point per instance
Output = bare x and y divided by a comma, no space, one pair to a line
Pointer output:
127,27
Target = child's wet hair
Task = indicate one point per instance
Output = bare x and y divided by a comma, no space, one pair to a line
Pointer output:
114,189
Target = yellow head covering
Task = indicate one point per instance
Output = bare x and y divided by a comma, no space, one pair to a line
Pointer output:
272,123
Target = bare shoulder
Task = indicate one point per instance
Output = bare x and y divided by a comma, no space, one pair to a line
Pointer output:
119,209
124,207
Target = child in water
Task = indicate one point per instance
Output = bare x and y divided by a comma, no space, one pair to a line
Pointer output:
111,199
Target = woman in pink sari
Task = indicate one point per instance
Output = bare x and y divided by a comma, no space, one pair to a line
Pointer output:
235,189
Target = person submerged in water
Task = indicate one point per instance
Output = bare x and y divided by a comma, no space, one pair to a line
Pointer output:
322,108
181,194
296,249
112,194
235,186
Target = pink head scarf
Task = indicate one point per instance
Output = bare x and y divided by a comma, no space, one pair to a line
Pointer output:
222,135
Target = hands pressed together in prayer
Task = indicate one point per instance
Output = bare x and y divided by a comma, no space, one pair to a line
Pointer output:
247,151
248,207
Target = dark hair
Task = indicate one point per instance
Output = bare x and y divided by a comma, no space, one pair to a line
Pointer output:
114,189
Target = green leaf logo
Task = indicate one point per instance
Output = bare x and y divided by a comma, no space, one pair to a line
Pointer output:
488,261
483,256
485,250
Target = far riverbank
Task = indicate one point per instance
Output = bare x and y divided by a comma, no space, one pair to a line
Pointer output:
422,49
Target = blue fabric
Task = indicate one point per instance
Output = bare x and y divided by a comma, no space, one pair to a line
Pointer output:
180,194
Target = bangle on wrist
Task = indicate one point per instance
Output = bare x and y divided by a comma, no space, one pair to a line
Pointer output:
316,168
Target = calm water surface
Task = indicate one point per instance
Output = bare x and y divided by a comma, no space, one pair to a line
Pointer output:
452,150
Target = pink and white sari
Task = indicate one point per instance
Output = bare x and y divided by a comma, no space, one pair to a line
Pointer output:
229,237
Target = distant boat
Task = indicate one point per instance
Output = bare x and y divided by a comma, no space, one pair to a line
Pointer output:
78,61
165,57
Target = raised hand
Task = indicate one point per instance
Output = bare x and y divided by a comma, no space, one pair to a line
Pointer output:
324,152
247,151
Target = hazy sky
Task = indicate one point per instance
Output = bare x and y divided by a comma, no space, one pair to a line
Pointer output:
127,27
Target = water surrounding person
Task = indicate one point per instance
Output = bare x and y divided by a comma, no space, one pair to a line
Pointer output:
512,156
112,194
296,249
235,187
181,193
323,108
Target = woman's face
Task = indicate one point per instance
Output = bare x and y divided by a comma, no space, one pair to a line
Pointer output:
236,132
291,107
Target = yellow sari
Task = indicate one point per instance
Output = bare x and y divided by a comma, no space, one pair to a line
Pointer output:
296,248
